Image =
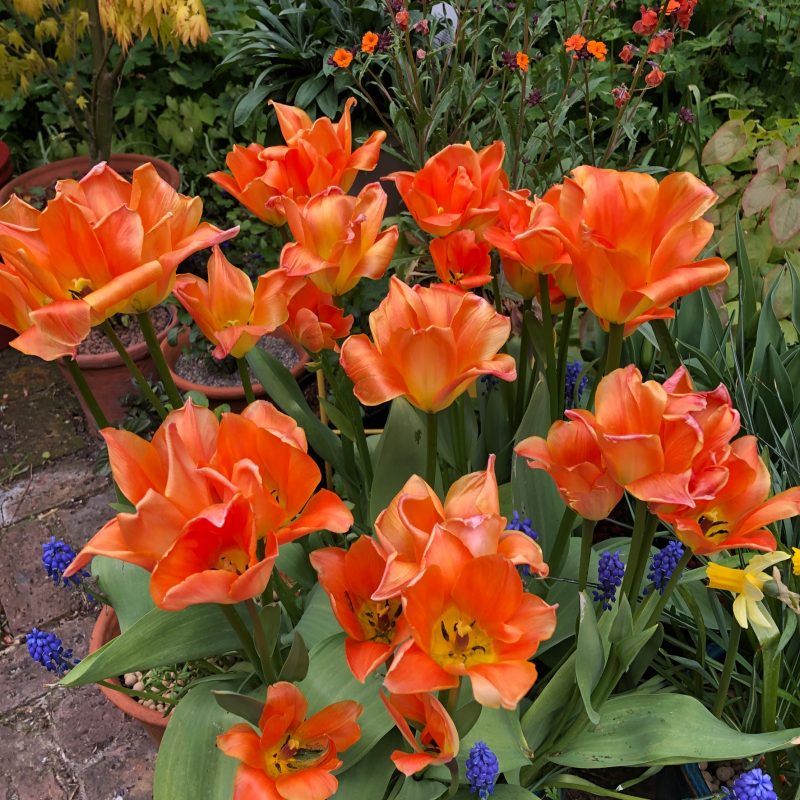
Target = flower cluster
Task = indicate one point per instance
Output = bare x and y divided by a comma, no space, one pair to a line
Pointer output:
755,784
663,564
49,651
482,770
574,384
57,555
583,48
610,571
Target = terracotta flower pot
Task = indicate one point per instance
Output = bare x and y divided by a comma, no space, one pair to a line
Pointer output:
154,722
232,395
109,379
6,164
78,166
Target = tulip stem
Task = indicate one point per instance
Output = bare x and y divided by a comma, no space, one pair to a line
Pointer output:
247,384
731,653
432,448
770,679
587,533
549,345
524,359
149,332
142,382
666,345
563,351
644,528
86,393
452,765
240,629
616,334
560,549
262,646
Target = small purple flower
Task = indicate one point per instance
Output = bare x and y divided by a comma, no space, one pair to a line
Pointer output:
57,555
523,525
509,59
663,564
534,98
609,575
385,40
482,770
48,650
755,784
686,116
574,384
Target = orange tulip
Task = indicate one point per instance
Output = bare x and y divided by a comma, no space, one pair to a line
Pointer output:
103,242
338,238
374,628
291,757
470,617
227,310
214,560
461,260
637,241
317,156
430,345
470,514
529,235
314,320
572,458
195,462
438,737
457,188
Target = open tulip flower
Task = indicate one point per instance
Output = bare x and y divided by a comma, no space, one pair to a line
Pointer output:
429,345
291,757
229,312
314,319
470,514
636,243
338,238
470,617
438,737
462,260
457,188
316,156
374,627
102,246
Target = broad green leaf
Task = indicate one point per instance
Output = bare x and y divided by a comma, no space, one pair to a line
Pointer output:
583,785
127,588
242,705
317,622
747,291
158,639
502,792
414,789
189,764
329,679
590,658
295,668
762,190
293,561
648,729
784,216
370,778
727,145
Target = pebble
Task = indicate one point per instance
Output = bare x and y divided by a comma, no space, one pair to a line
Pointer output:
138,686
129,678
724,773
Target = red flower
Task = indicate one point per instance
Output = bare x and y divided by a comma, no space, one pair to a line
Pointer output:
648,23
627,52
654,77
661,41
402,18
461,260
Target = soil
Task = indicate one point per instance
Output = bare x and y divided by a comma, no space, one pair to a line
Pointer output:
128,330
205,370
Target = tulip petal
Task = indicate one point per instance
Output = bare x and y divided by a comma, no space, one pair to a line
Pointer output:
414,671
502,685
375,379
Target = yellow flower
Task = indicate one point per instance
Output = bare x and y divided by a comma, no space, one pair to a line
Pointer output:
796,560
748,585
82,102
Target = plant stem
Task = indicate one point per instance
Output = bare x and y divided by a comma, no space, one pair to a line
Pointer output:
549,345
587,531
452,765
640,517
666,344
563,352
154,348
616,333
263,647
247,384
771,673
649,532
431,443
86,393
141,381
286,597
560,549
727,670
240,629
524,358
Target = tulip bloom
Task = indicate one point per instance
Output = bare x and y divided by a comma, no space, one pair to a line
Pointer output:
314,320
374,628
637,241
572,458
470,514
214,560
461,260
457,188
338,238
438,737
430,345
291,757
227,310
317,155
102,243
470,617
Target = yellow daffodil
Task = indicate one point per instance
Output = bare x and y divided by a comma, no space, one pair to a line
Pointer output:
796,560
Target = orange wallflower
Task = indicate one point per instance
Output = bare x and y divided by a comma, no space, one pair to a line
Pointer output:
314,320
572,458
316,155
102,246
637,241
402,19
575,42
627,53
654,77
438,737
660,42
461,260
291,756
429,346
374,628
342,58
648,23
522,60
597,49
227,310
338,238
470,514
369,41
457,188
471,618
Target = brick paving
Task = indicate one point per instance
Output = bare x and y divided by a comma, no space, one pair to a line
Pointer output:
55,744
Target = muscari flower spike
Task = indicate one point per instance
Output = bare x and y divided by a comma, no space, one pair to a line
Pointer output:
526,527
57,555
609,575
571,396
663,564
48,650
482,770
755,784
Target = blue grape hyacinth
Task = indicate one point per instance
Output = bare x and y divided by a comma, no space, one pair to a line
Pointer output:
524,526
755,784
573,392
663,564
482,770
48,650
609,575
57,555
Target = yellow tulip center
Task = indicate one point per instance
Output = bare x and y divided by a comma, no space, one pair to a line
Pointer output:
457,639
290,756
233,561
378,618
